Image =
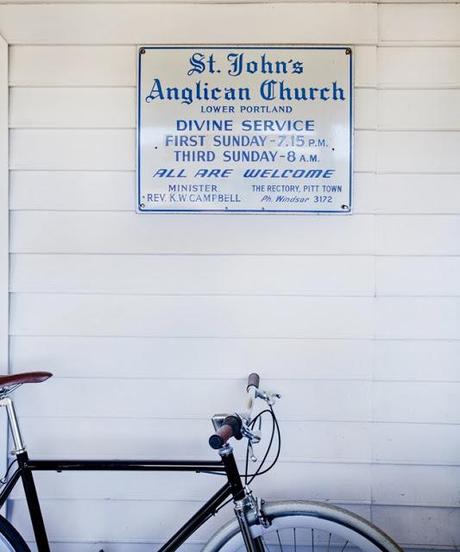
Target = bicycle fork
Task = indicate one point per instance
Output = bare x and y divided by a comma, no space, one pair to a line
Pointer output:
242,502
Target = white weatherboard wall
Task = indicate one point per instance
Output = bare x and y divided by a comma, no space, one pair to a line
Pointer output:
151,323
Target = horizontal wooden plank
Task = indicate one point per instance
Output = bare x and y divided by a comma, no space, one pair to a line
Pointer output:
206,275
111,107
401,235
433,67
419,23
60,107
73,190
418,109
326,400
170,316
417,360
75,149
106,191
418,152
170,358
116,66
421,526
275,359
407,443
72,66
240,275
113,149
54,232
415,485
415,193
132,23
418,318
83,437
425,276
416,402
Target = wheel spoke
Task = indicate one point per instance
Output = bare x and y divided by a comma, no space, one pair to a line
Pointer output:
329,542
345,545
312,540
295,542
279,540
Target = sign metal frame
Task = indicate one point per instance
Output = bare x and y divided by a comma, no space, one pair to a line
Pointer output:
345,208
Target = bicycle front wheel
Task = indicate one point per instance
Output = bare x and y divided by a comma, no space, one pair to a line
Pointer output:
298,526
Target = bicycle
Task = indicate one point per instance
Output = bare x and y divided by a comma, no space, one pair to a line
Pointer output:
258,526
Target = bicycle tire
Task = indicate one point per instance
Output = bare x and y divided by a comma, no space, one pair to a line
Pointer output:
10,539
336,529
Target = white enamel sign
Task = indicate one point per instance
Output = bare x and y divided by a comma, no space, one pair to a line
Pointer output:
254,129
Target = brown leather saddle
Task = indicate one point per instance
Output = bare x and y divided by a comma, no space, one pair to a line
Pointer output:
13,380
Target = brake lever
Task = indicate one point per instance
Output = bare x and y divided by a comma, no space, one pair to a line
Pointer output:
252,456
253,435
269,398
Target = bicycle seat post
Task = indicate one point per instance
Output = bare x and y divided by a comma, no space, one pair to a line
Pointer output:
19,445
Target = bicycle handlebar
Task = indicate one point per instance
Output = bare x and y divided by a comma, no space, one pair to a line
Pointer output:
232,425
230,428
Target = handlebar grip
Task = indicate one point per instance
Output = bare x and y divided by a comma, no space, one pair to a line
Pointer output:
230,428
220,437
253,381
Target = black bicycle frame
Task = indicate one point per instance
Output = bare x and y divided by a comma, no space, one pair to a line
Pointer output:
232,488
